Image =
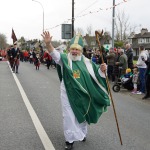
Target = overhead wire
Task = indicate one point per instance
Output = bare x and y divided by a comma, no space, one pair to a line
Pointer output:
90,12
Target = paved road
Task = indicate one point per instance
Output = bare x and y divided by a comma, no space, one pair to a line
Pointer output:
32,119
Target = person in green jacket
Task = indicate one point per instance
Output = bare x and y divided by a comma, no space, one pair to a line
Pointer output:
123,62
84,93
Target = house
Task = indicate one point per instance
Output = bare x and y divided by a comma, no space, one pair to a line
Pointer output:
142,38
106,41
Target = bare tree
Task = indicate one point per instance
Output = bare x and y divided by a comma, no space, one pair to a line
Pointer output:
122,26
79,31
89,29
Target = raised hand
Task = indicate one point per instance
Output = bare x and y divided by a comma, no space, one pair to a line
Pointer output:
47,37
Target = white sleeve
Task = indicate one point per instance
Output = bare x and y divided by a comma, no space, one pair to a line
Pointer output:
56,57
102,74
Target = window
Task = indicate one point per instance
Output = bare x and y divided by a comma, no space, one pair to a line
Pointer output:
140,40
147,40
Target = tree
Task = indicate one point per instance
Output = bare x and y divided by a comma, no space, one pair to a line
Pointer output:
22,43
122,26
89,29
79,31
3,41
22,40
118,44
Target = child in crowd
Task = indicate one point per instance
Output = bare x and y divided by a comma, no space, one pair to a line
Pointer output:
135,80
37,62
126,76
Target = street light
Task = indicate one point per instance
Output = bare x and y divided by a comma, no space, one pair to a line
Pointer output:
43,11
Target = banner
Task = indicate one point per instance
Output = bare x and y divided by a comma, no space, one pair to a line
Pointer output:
13,36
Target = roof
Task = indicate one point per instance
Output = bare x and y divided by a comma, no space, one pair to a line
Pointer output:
104,40
147,34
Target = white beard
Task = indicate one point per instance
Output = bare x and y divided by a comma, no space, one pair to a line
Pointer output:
74,58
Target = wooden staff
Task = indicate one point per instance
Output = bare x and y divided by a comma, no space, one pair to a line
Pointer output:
97,34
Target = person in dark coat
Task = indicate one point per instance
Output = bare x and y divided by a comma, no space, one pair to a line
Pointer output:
129,53
123,62
9,55
37,61
116,67
15,56
102,54
85,52
110,62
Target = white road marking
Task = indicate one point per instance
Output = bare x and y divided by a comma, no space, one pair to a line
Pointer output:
39,128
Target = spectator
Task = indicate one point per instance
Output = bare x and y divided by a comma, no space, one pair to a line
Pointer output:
147,79
122,63
110,62
116,67
135,77
129,53
85,52
142,68
102,55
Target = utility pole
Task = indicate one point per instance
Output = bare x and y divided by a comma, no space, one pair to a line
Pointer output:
113,23
72,18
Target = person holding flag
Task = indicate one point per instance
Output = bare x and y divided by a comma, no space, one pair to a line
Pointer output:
84,93
15,56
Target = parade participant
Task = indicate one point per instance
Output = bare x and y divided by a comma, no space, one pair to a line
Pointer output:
31,56
9,55
47,58
26,55
15,53
37,61
84,94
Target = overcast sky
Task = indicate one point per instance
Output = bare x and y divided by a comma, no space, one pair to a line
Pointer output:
26,16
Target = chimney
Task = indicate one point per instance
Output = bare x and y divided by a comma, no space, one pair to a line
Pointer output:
144,30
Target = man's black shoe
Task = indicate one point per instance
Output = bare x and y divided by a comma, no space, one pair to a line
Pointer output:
69,146
146,96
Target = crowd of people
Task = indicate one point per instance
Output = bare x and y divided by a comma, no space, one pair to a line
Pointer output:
117,60
120,60
15,55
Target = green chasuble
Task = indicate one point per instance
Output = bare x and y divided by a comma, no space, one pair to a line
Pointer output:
87,94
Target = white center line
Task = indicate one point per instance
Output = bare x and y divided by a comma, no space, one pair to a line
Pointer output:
39,128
